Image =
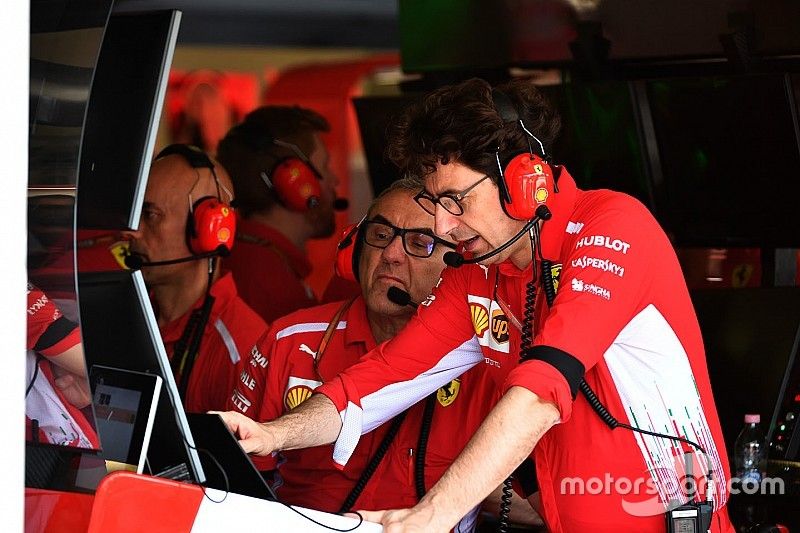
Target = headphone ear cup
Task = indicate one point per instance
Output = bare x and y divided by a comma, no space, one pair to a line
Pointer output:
346,265
297,184
528,182
212,224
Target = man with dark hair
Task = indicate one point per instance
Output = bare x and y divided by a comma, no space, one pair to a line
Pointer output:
590,297
285,196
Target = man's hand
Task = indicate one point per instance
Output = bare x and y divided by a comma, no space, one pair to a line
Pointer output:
419,519
253,437
74,388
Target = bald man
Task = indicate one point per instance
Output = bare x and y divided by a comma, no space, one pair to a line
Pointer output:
206,327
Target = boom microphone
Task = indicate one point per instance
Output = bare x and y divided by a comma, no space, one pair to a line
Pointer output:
400,297
340,204
135,261
455,259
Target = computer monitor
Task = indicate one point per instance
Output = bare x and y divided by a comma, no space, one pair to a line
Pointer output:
728,150
120,331
125,405
600,142
375,114
749,335
122,118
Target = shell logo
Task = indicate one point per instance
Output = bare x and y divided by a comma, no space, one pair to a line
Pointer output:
294,172
223,234
541,195
480,318
297,395
306,190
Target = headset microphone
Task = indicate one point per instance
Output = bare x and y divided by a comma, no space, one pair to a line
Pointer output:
455,259
400,297
135,261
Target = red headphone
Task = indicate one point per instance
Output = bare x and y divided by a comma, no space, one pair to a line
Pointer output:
211,223
294,179
348,251
527,180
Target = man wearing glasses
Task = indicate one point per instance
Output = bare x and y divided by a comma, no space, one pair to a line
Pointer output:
620,324
396,463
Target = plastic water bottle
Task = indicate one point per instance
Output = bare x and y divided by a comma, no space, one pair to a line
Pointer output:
750,453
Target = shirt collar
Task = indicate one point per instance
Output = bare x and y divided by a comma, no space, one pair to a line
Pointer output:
358,330
223,290
296,257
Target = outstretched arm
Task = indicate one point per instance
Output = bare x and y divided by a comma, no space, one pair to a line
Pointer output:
312,423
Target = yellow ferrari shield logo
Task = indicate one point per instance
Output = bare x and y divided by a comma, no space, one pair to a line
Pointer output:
555,271
448,394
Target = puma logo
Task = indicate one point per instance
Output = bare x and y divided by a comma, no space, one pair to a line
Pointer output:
309,351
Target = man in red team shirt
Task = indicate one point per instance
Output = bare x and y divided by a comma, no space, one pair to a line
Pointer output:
596,301
269,262
393,247
57,388
205,350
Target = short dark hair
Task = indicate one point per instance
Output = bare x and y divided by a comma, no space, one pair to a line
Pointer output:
460,123
247,150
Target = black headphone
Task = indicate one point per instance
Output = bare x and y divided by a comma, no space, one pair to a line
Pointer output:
211,224
527,179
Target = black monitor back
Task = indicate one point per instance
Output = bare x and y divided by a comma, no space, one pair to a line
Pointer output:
122,118
120,331
749,335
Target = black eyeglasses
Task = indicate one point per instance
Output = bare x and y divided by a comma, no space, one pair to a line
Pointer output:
451,202
415,242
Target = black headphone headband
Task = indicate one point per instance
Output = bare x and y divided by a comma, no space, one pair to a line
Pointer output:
505,108
193,155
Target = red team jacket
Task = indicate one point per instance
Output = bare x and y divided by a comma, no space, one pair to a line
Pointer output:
231,330
269,271
283,364
623,311
49,333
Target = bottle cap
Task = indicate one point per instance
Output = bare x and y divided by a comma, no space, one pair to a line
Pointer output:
752,419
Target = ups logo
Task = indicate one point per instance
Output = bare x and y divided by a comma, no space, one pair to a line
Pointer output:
499,326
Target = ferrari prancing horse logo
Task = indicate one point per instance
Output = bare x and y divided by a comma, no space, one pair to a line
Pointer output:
447,394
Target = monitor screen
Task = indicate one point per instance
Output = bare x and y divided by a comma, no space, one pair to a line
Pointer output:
124,108
599,142
748,335
120,331
375,114
729,155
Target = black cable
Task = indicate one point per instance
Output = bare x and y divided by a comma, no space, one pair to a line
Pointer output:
591,397
360,520
222,471
35,374
505,506
369,470
197,322
422,445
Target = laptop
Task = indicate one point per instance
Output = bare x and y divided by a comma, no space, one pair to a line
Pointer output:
226,465
124,404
